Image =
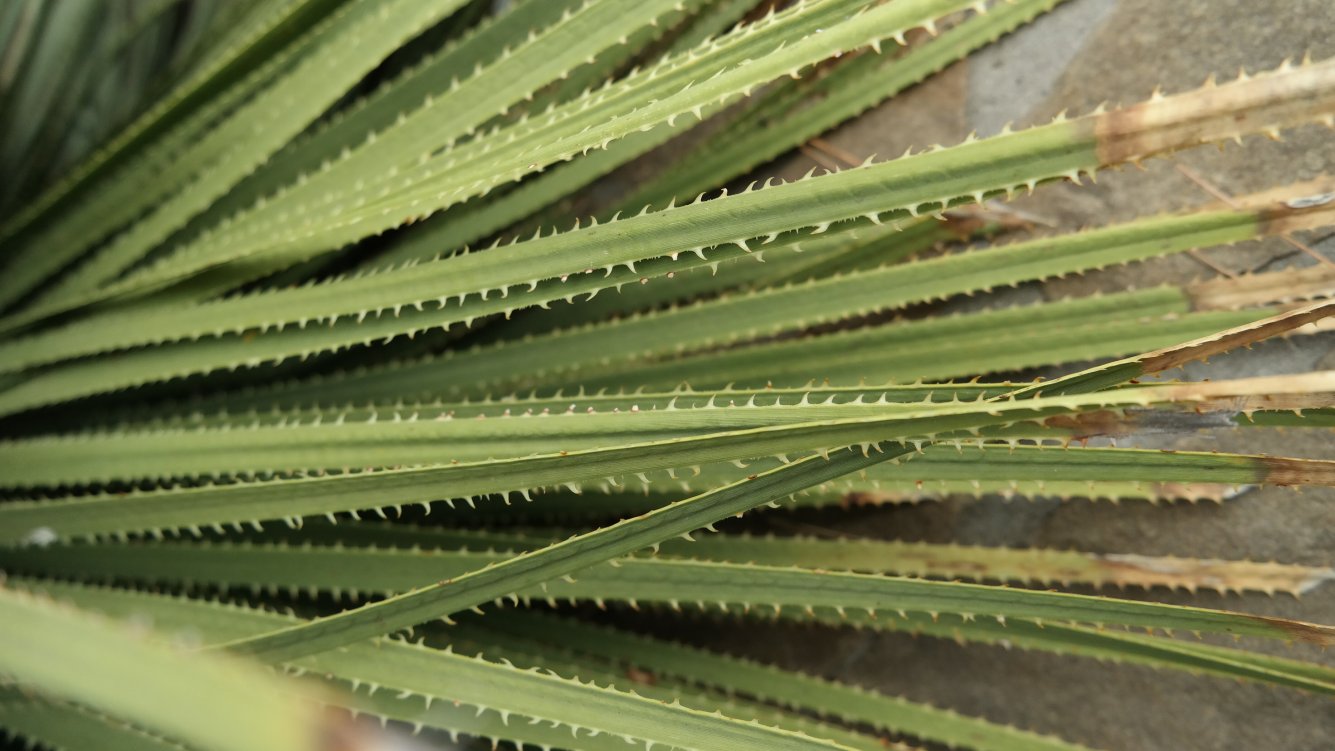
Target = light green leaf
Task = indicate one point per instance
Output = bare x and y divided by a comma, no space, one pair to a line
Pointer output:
211,701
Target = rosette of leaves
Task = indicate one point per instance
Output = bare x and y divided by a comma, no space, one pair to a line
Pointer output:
328,358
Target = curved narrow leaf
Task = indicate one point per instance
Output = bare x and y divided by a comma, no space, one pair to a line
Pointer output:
208,700
430,676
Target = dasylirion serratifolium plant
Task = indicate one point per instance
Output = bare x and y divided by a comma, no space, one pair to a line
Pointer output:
348,375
